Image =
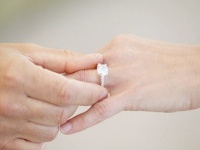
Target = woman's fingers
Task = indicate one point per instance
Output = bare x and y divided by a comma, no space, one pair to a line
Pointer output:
91,76
97,113
47,114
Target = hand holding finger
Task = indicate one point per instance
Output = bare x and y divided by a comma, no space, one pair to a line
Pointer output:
38,98
96,114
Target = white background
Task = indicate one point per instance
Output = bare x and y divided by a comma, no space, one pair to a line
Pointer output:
85,26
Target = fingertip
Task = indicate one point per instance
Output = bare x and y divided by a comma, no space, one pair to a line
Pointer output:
74,125
104,94
66,128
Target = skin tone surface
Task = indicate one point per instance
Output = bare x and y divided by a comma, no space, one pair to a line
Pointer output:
35,96
144,75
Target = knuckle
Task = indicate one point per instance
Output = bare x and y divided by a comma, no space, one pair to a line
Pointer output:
101,110
119,39
5,108
11,75
28,45
82,76
68,53
6,146
52,133
14,110
64,95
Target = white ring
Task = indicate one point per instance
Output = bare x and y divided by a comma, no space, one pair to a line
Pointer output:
102,71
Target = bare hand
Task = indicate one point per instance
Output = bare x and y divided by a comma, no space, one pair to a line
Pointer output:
34,98
144,75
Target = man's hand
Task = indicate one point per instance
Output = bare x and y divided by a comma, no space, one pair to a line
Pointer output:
34,99
144,75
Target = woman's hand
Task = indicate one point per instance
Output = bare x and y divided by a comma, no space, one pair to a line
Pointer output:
34,98
144,75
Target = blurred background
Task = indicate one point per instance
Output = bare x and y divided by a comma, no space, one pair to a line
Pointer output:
87,25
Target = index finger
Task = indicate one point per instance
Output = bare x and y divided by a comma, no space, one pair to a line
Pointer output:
57,60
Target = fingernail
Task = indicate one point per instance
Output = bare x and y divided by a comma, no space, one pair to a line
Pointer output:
66,128
104,95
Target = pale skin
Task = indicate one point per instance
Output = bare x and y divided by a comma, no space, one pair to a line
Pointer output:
144,75
35,96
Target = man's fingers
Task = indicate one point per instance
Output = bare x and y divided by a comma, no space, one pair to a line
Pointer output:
57,60
94,115
21,144
38,133
63,61
56,89
47,114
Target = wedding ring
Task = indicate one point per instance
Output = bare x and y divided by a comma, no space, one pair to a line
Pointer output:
102,71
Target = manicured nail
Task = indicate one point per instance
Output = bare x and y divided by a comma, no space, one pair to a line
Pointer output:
104,95
66,128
